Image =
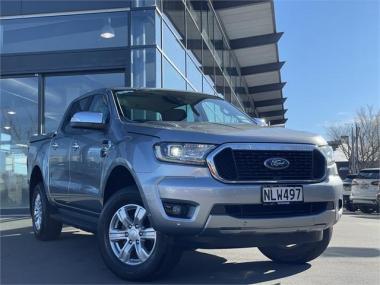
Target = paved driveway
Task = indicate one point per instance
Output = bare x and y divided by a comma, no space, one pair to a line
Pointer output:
352,258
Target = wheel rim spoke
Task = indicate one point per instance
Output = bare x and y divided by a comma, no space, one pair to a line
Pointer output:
37,213
148,233
139,215
123,217
116,235
125,252
141,253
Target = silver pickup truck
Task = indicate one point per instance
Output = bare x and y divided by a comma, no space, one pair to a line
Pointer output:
155,172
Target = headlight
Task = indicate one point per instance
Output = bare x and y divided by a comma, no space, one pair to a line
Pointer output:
328,152
183,152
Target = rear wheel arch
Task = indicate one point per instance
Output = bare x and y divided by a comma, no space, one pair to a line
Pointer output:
35,178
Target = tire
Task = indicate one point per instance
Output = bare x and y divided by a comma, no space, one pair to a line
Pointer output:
367,209
44,226
161,252
298,254
350,207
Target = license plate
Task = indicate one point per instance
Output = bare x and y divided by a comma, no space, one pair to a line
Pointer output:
282,194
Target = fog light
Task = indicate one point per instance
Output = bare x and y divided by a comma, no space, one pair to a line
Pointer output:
176,210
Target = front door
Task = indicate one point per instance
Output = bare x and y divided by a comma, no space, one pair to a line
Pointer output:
88,150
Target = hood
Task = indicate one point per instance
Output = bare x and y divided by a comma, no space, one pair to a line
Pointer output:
204,132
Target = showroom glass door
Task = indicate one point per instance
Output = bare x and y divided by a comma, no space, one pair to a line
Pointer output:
18,122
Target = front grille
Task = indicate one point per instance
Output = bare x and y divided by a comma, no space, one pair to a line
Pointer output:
272,211
243,165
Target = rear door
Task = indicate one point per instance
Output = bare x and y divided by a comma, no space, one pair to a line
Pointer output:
59,176
59,156
87,155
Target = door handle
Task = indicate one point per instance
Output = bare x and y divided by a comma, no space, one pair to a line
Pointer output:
75,146
106,145
54,145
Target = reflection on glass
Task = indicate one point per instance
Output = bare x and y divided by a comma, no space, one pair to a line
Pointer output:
18,122
143,3
207,88
194,75
173,49
146,68
208,22
171,78
143,30
174,10
69,32
218,44
194,40
195,8
61,90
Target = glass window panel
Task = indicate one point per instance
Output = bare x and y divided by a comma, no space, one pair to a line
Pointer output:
173,49
146,68
143,3
18,122
208,62
143,27
71,32
158,30
195,7
219,83
189,87
194,40
227,91
174,10
218,44
207,87
194,75
61,90
172,79
208,22
227,67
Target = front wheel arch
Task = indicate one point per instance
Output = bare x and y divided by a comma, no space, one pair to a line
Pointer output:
120,177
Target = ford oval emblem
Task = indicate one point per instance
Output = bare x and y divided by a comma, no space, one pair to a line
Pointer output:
276,163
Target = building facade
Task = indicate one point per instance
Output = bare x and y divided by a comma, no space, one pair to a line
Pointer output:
54,51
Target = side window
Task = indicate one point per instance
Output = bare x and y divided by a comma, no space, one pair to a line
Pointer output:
78,106
189,112
100,105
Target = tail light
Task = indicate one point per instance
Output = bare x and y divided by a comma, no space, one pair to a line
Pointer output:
375,183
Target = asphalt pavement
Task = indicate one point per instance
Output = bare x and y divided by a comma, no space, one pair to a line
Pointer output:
353,257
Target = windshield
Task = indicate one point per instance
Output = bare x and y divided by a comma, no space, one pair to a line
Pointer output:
174,106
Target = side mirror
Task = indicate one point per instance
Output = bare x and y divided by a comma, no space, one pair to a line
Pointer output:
88,120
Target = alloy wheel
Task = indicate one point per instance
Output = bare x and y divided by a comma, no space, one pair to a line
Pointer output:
131,236
37,212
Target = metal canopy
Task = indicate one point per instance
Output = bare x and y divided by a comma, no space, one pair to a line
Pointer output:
250,27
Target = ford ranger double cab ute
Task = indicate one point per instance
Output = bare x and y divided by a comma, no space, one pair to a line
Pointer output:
155,172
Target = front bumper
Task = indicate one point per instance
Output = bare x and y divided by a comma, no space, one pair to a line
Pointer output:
195,186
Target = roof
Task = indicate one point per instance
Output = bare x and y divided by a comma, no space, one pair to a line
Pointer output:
250,27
